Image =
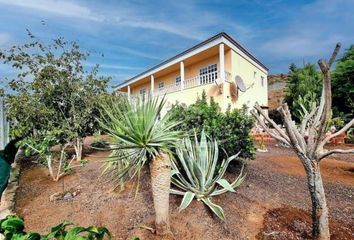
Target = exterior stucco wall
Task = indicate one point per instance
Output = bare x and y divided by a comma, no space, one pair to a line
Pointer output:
189,96
136,89
251,75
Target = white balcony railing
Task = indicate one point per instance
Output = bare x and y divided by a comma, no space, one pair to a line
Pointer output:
194,82
120,93
168,89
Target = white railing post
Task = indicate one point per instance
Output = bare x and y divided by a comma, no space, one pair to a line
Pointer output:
222,62
152,87
182,74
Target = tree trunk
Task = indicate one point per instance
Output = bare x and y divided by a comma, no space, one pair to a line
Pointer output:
320,225
160,171
78,149
50,167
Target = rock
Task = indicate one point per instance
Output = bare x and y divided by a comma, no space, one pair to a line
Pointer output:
68,196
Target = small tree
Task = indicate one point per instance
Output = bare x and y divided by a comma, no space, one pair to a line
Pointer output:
41,144
308,141
52,90
141,137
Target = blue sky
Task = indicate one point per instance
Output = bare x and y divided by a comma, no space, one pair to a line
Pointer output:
136,34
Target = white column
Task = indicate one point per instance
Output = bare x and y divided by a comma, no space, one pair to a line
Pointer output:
128,93
222,62
152,85
182,74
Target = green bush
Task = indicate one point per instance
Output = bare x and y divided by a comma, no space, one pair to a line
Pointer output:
231,129
12,227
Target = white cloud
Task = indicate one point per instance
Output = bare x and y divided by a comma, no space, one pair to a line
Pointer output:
137,53
158,26
311,32
126,15
64,8
5,38
300,45
114,66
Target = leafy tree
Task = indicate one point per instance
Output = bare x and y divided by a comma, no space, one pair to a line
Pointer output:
231,128
52,91
343,85
303,88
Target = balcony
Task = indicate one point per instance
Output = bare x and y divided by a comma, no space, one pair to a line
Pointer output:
194,82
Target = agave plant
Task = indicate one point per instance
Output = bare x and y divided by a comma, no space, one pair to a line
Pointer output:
12,228
196,173
140,137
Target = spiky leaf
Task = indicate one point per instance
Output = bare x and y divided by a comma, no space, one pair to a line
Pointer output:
187,199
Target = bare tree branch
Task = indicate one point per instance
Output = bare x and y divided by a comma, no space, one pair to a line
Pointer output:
300,139
275,134
341,131
289,129
334,55
274,125
307,118
335,151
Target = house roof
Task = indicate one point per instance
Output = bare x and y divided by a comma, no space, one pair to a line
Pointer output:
189,50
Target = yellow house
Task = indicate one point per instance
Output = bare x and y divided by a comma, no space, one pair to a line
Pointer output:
219,65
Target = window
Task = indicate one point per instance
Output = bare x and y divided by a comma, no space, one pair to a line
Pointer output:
161,85
208,74
178,81
262,81
254,75
142,91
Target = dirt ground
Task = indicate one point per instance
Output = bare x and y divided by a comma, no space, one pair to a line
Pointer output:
272,203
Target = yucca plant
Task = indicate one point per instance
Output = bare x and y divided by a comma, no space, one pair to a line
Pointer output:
196,173
12,227
140,137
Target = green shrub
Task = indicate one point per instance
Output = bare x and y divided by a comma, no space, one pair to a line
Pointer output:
231,129
12,227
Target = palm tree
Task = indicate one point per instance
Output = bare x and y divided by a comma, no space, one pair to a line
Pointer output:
140,137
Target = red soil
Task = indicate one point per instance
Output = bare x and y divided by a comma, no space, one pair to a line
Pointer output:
272,200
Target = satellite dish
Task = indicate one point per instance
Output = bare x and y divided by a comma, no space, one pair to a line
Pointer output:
240,84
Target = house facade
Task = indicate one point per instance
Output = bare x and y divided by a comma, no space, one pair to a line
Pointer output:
213,66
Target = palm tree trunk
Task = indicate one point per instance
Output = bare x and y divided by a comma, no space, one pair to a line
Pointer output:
160,171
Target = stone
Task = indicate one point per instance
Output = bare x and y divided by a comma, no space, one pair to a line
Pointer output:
68,196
